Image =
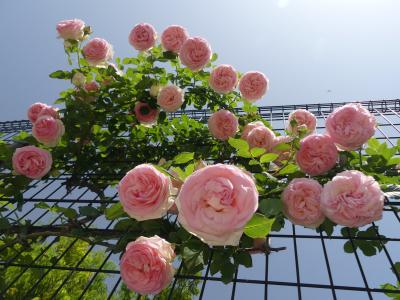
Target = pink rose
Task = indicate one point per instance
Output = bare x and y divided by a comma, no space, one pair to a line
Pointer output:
352,199
173,38
195,53
303,119
91,86
170,98
223,79
216,202
97,52
223,124
146,266
253,85
145,113
48,130
143,36
39,109
248,127
350,126
261,137
317,154
145,193
301,202
32,162
71,29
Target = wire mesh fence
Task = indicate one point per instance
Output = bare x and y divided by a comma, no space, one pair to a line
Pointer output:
313,265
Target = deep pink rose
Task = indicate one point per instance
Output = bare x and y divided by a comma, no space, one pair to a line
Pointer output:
253,85
223,79
143,36
352,199
145,193
39,109
145,113
71,29
173,38
317,154
301,202
248,127
216,202
48,130
350,126
32,162
146,265
223,124
91,86
195,53
261,137
170,98
304,119
97,52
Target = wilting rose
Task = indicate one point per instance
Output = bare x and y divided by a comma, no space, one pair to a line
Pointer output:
223,79
253,85
216,202
48,130
32,162
143,36
195,53
146,114
170,98
301,202
146,265
173,38
97,52
304,119
71,29
223,124
145,193
350,126
352,199
317,154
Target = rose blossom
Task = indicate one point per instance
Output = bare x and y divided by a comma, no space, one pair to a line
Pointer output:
248,127
301,202
350,126
71,29
97,52
173,38
216,202
317,154
32,162
303,118
170,98
253,85
78,79
39,109
261,137
352,199
145,192
146,265
195,53
145,113
223,124
223,79
91,86
154,90
48,130
143,36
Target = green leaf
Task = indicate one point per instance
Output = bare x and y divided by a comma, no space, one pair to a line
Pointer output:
4,223
60,74
348,247
259,226
373,143
227,272
88,211
256,152
244,153
253,162
289,169
282,147
192,259
183,157
266,158
243,258
393,161
270,207
70,213
239,144
115,211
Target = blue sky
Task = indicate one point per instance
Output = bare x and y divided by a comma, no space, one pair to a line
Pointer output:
312,51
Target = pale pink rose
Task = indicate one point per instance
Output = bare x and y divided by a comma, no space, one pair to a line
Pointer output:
39,109
304,119
317,154
261,137
350,126
32,162
146,265
155,89
173,38
145,193
91,86
223,79
48,130
352,199
145,114
223,124
143,36
97,52
170,98
248,127
301,202
253,85
71,29
195,53
216,202
49,111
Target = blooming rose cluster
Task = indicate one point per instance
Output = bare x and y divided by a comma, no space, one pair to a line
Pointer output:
258,135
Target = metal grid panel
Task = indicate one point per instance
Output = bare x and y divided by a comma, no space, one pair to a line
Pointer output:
313,266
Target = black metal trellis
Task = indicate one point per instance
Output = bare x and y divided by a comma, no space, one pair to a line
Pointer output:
314,265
